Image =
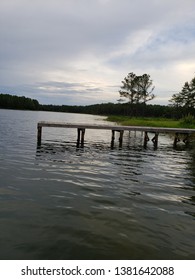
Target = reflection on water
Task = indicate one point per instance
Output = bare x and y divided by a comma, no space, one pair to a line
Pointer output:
63,202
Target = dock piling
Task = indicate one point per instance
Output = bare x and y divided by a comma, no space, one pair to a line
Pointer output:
39,134
80,137
113,138
121,138
155,140
186,139
176,139
146,139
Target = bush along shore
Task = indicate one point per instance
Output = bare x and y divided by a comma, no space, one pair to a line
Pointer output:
185,122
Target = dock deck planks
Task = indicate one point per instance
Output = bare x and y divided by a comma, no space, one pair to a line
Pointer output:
116,127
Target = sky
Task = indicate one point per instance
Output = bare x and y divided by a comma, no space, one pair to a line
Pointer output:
77,52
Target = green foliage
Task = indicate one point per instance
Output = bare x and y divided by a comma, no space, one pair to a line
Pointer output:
138,89
8,101
130,110
149,122
185,98
188,121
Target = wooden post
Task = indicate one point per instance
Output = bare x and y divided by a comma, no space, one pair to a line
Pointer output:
146,139
82,136
176,140
121,138
39,134
112,139
155,140
186,139
78,136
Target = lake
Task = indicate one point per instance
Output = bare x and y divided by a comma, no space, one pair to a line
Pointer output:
58,201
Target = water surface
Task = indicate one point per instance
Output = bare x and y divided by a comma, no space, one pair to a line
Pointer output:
62,202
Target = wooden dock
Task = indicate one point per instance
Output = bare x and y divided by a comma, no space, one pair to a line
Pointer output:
81,127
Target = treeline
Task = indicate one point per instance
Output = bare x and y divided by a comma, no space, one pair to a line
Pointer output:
126,109
132,110
8,101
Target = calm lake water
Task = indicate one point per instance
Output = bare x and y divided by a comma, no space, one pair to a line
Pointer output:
62,202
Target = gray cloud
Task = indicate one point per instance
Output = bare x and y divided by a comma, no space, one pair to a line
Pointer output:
56,48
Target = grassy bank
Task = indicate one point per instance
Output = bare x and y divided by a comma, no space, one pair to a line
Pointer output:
187,122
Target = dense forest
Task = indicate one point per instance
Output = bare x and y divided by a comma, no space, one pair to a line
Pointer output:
8,101
126,109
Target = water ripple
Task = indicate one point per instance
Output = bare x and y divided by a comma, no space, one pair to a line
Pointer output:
94,202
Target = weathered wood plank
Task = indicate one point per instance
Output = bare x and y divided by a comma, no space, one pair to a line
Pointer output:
116,127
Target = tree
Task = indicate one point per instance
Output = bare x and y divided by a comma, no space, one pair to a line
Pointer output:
138,89
186,97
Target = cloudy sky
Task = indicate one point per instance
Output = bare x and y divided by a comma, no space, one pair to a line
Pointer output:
78,51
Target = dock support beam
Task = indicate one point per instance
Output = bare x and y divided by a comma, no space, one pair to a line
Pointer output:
121,138
39,134
113,135
112,139
186,139
155,140
176,140
146,139
80,137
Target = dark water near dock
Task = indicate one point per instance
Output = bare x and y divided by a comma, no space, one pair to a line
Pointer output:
60,202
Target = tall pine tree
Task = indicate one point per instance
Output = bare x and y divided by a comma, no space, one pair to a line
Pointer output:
186,97
138,89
